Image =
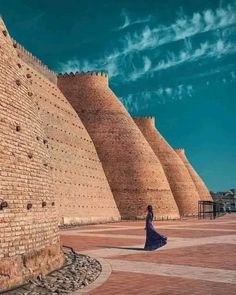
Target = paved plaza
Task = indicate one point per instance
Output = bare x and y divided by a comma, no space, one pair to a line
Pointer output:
200,257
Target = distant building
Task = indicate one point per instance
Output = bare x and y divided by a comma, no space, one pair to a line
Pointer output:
228,198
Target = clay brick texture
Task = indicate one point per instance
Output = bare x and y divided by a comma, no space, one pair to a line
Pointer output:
71,154
133,171
180,181
28,219
82,192
203,192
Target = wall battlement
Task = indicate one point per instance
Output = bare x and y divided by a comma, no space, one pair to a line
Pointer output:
86,79
143,117
34,62
180,150
134,173
148,121
89,73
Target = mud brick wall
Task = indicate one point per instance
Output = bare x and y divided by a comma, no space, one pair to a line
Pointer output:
81,189
180,181
133,171
29,238
34,62
202,189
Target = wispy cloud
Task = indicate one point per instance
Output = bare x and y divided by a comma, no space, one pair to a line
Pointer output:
131,103
133,58
206,50
108,63
139,72
161,95
211,73
127,22
233,75
116,66
184,27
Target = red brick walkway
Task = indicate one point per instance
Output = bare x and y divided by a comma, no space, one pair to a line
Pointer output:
199,258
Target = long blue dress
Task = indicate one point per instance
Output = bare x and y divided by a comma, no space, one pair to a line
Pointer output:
153,239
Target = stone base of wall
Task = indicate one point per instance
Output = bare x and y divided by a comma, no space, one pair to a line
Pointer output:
17,270
85,221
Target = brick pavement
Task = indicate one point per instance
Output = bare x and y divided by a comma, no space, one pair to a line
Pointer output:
198,259
192,256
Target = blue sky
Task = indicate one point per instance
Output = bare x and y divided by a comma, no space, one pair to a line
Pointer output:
175,60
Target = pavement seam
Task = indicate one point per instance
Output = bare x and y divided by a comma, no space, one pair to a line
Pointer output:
174,270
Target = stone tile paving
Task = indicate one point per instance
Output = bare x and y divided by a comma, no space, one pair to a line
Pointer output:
218,226
199,258
175,232
173,244
223,256
174,270
187,233
82,243
125,283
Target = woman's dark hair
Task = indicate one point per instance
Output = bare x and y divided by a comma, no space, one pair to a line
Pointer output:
150,210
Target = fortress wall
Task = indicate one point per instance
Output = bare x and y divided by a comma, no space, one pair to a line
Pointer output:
29,238
134,173
181,184
203,192
34,62
82,190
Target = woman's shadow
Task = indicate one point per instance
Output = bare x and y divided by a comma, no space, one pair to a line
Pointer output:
123,248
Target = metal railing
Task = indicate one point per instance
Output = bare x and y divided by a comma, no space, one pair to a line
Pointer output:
210,209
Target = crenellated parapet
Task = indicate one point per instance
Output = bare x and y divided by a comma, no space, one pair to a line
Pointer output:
86,79
88,73
145,121
143,117
34,62
180,150
134,173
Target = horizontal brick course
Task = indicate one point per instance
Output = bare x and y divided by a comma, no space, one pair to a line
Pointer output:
82,192
133,171
29,231
180,181
203,192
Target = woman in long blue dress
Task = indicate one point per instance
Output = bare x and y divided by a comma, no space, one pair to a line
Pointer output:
154,240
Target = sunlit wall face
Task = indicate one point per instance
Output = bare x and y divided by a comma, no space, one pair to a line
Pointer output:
172,59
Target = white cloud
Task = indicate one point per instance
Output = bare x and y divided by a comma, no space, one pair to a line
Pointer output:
184,27
134,46
131,103
233,75
77,65
116,66
136,102
127,21
168,91
211,72
205,50
139,72
108,63
224,80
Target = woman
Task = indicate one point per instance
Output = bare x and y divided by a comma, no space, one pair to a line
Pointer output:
153,239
